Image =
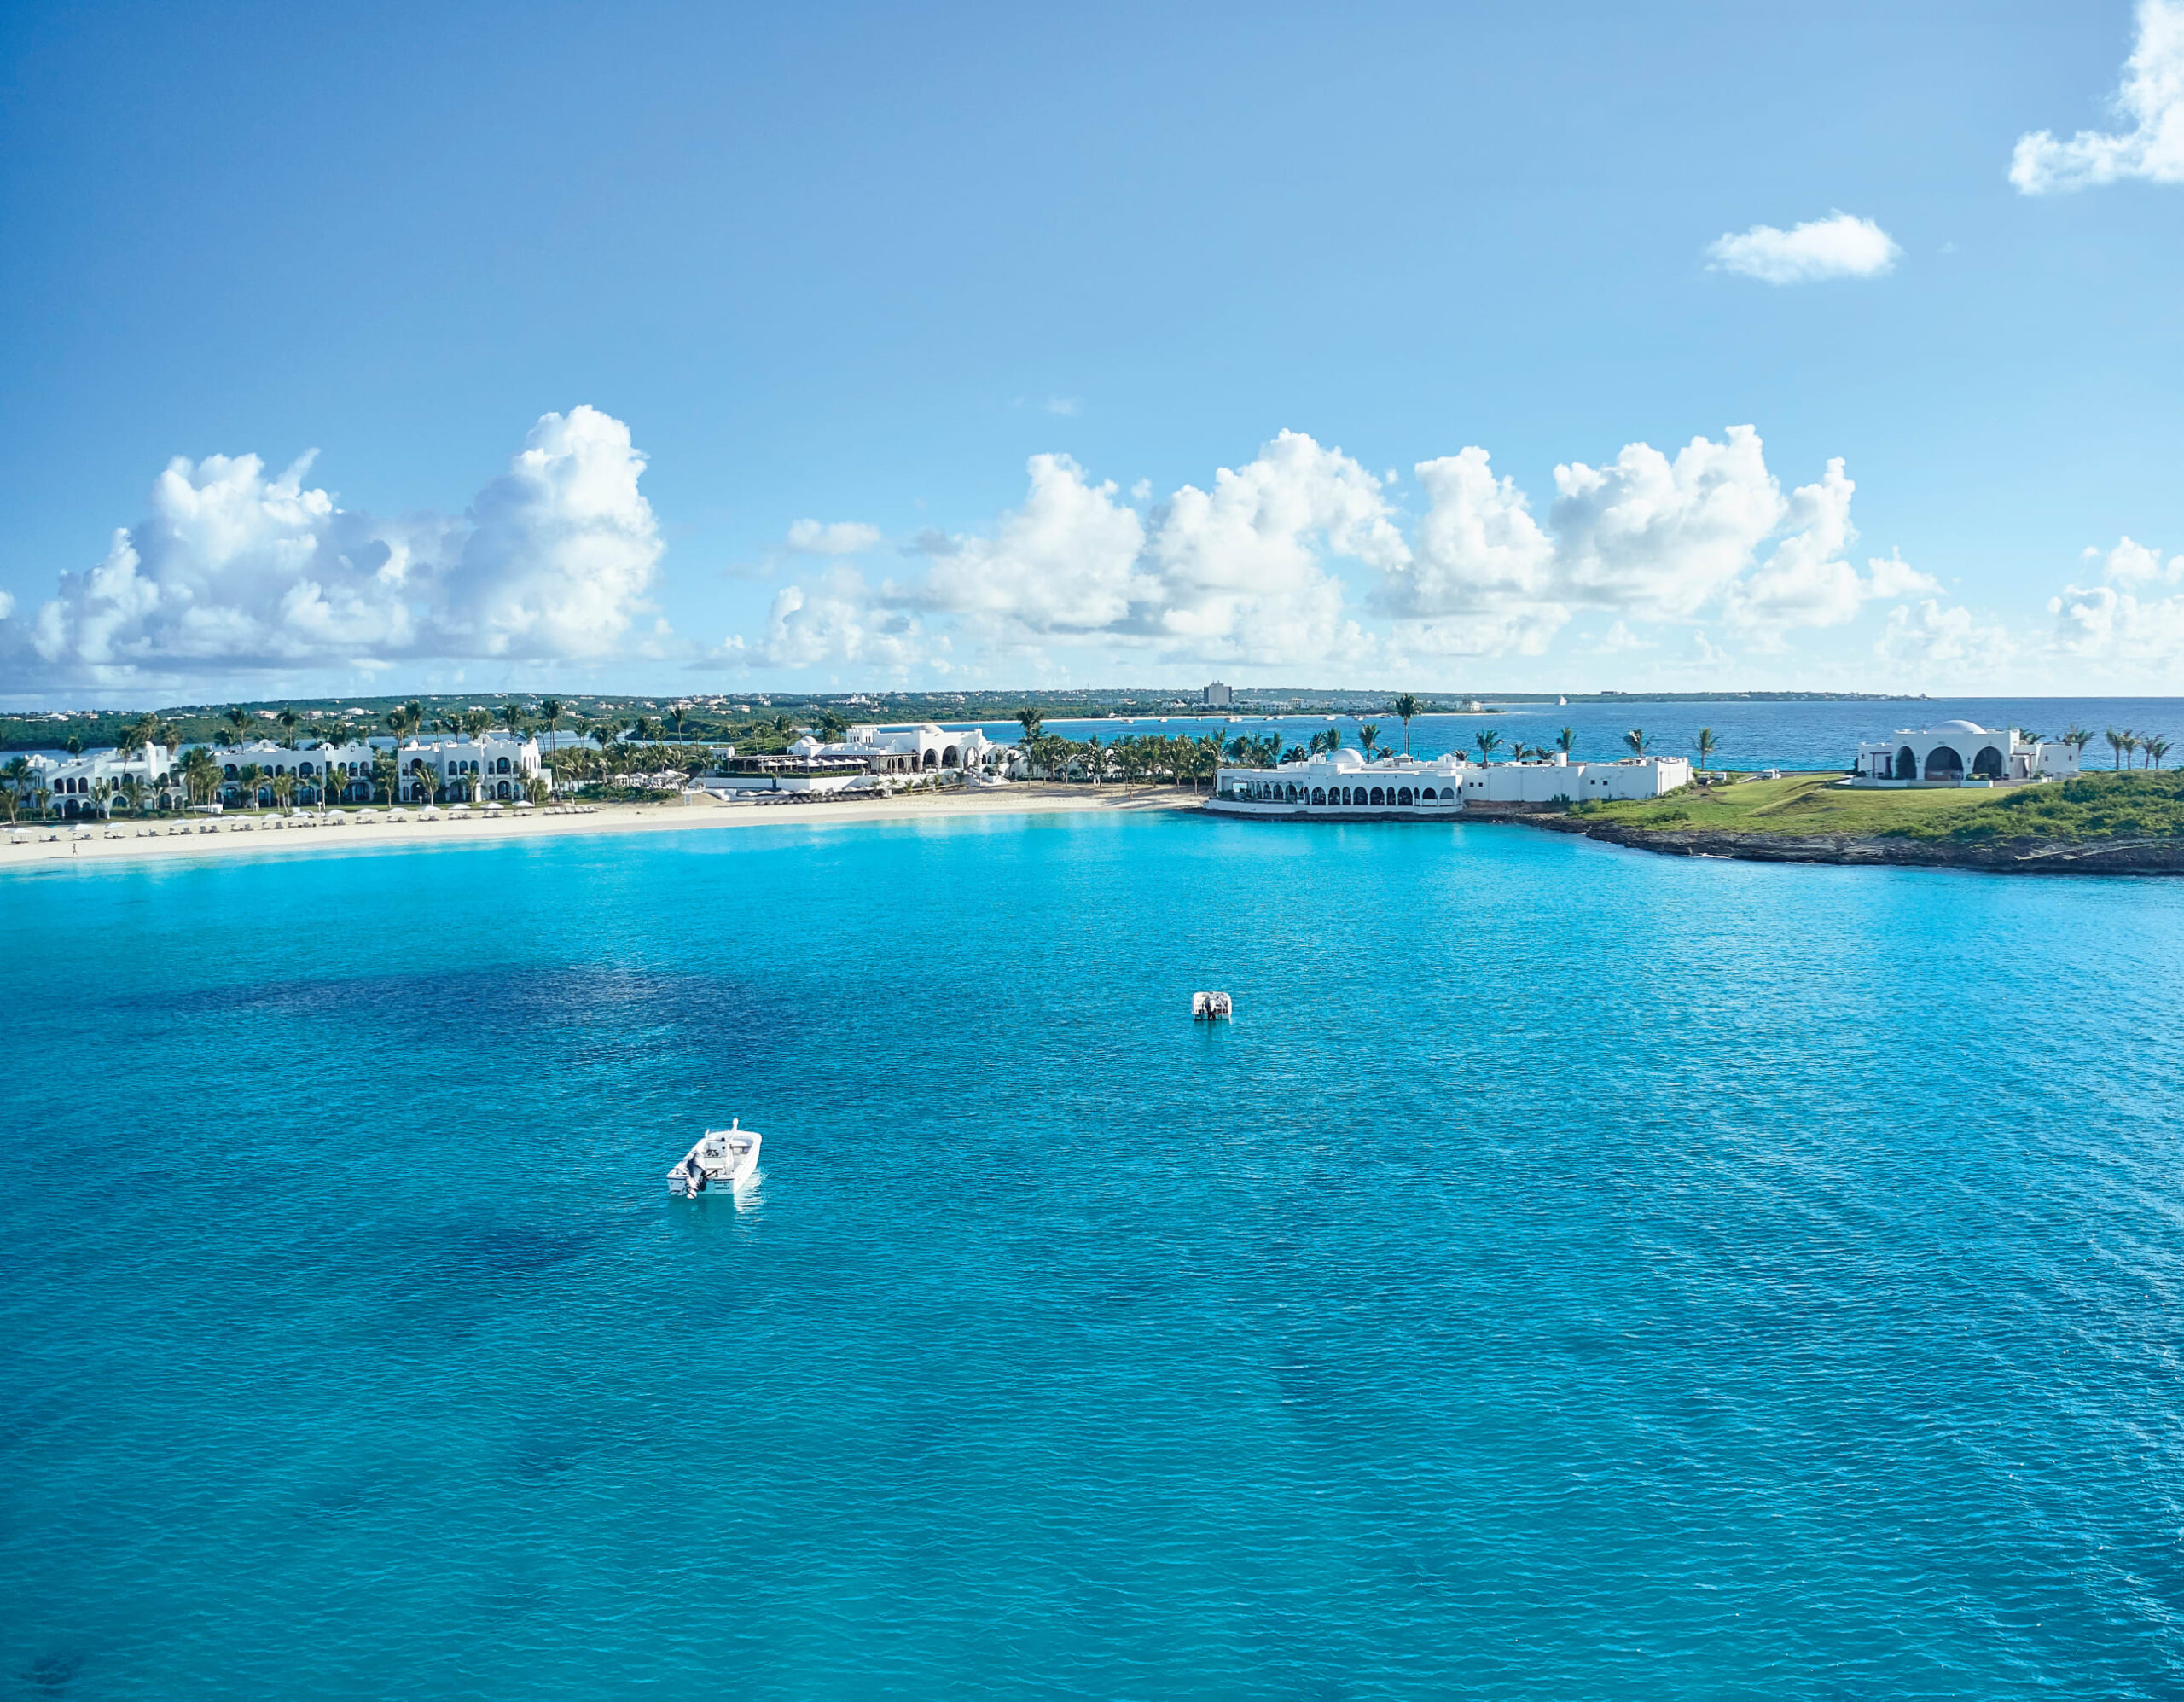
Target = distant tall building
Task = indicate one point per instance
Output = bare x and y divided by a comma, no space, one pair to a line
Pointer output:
1218,696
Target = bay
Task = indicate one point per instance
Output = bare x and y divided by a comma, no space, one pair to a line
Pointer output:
1574,1273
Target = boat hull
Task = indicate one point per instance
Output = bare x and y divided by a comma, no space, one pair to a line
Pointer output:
722,1162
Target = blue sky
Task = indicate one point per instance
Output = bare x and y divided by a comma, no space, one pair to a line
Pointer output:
693,349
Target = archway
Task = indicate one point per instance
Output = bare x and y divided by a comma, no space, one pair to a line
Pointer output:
1375,798
1319,794
931,760
1942,763
947,758
1402,795
1907,763
1988,764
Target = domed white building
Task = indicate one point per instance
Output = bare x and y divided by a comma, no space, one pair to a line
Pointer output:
1961,753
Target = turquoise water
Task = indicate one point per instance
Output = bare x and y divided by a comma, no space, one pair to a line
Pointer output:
1575,1274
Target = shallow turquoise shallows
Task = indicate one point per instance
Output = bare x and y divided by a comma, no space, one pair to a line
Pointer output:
1575,1273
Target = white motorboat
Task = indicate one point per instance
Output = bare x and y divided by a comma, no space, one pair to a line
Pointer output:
1211,1007
723,1159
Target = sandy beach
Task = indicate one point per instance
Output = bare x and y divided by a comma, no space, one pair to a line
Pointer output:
123,837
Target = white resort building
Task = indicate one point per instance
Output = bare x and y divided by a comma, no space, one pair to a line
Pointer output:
92,784
1959,753
494,768
861,754
1344,784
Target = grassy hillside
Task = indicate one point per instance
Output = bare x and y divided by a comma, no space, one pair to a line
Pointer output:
2095,806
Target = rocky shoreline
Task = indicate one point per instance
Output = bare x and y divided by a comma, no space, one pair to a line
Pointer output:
2010,857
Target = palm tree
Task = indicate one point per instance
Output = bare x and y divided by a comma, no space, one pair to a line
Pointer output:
2156,749
199,773
1368,735
102,795
2116,744
2130,744
1567,740
386,775
549,711
1405,709
284,788
1030,720
237,718
1635,738
512,718
674,715
2077,738
129,742
1486,742
289,721
247,779
17,774
132,788
1707,745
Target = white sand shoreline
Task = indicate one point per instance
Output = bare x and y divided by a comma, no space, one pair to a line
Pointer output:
149,840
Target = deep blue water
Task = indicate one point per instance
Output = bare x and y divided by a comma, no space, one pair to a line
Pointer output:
1575,1274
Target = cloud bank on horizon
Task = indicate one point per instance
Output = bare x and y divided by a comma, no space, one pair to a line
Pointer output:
1301,561
235,573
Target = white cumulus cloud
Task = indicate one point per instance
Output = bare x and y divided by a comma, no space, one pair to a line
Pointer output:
1648,537
836,538
1927,644
1237,571
2150,102
1840,246
835,619
234,572
2125,622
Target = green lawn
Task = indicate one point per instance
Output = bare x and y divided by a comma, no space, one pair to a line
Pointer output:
2094,807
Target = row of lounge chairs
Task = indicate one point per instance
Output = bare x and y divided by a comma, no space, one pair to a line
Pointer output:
49,833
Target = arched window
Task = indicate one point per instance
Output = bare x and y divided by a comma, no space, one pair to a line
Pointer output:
1289,793
229,772
1319,794
1988,764
1375,798
1907,763
502,766
947,758
1403,796
931,760
1942,763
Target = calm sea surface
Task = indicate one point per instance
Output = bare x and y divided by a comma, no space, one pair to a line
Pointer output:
1575,1274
